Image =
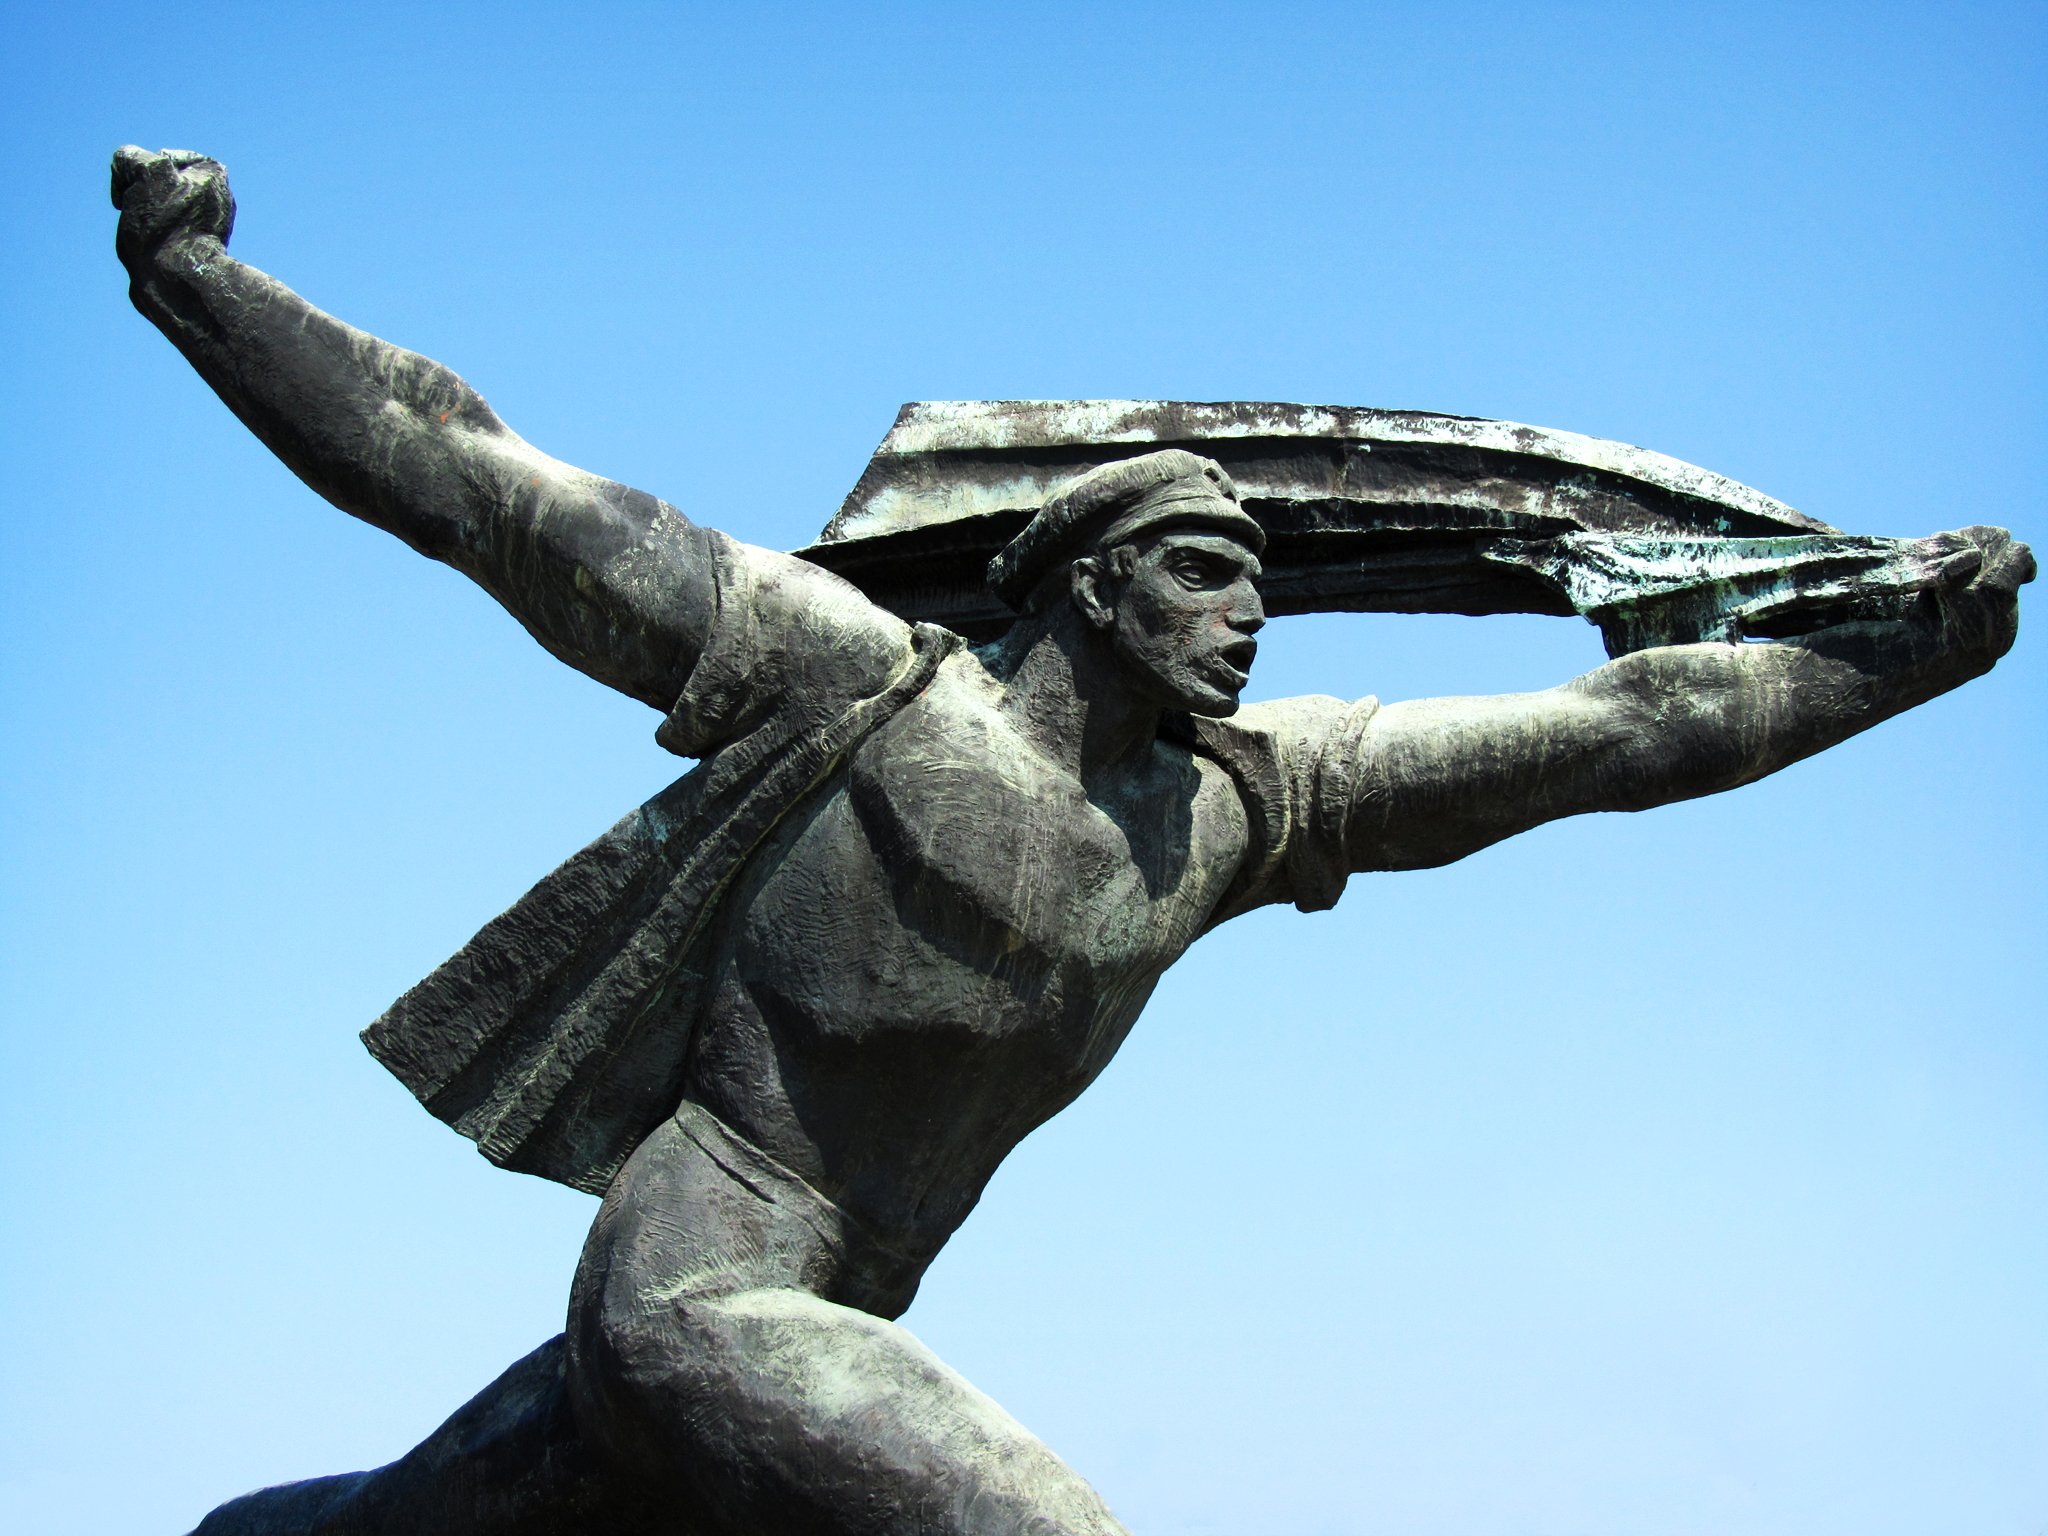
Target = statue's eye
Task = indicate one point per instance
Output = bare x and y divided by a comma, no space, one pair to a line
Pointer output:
1196,571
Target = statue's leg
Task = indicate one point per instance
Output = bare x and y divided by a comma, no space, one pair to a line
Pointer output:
712,1371
507,1463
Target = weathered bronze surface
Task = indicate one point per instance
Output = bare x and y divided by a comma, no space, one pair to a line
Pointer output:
790,1015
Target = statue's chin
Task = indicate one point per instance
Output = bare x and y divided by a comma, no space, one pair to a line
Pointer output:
1214,706
1210,690
1194,685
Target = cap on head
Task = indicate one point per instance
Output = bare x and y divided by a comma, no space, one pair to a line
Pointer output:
1115,502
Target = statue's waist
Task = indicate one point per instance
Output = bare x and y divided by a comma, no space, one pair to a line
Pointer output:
742,1219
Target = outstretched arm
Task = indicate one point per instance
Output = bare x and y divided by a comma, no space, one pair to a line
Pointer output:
1445,777
609,579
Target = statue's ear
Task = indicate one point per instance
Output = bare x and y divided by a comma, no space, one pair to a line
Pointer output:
1092,588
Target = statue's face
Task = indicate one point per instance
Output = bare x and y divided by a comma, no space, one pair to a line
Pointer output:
1183,620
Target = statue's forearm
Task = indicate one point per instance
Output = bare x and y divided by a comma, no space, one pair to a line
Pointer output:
1703,718
376,430
1442,778
609,579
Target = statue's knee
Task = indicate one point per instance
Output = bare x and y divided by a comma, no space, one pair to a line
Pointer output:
616,1351
640,1354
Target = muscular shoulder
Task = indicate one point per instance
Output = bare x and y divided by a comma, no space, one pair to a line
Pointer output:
1296,764
787,636
1300,728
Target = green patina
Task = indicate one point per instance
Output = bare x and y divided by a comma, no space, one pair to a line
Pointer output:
1645,591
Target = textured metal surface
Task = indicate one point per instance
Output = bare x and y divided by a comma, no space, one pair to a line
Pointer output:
1366,510
825,1043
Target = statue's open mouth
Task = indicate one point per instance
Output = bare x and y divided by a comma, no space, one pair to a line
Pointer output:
1234,662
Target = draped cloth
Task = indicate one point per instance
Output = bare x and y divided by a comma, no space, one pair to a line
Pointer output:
557,1038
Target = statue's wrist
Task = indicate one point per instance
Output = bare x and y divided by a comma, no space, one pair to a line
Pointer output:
182,255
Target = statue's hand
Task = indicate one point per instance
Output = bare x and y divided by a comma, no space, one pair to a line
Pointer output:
1977,594
165,196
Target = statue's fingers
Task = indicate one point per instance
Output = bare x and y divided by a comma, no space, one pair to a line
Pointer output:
164,193
2008,564
130,162
2011,567
1957,566
205,182
1945,560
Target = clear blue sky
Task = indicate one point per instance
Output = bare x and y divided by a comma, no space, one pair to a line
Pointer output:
1666,1175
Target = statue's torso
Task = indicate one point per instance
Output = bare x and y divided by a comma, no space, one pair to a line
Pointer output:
944,947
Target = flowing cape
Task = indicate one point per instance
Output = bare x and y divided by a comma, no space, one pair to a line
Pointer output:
557,1038
1373,511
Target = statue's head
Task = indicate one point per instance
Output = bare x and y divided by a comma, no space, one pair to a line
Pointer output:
1160,563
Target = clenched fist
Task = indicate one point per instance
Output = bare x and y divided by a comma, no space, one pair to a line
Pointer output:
1979,603
168,196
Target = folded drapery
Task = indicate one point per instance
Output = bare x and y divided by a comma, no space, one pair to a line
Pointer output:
556,1039
1374,511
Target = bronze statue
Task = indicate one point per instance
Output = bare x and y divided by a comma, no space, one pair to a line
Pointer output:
789,1016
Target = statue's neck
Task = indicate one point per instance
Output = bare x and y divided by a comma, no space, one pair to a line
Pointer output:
1066,693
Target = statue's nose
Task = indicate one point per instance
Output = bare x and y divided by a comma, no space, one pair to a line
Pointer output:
1248,613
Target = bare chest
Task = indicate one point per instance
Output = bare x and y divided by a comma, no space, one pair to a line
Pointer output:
943,948
955,881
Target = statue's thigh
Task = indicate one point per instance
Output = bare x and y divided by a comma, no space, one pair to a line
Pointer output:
709,1374
771,1410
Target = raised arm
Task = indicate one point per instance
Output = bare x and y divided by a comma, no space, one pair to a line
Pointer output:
1445,777
609,579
